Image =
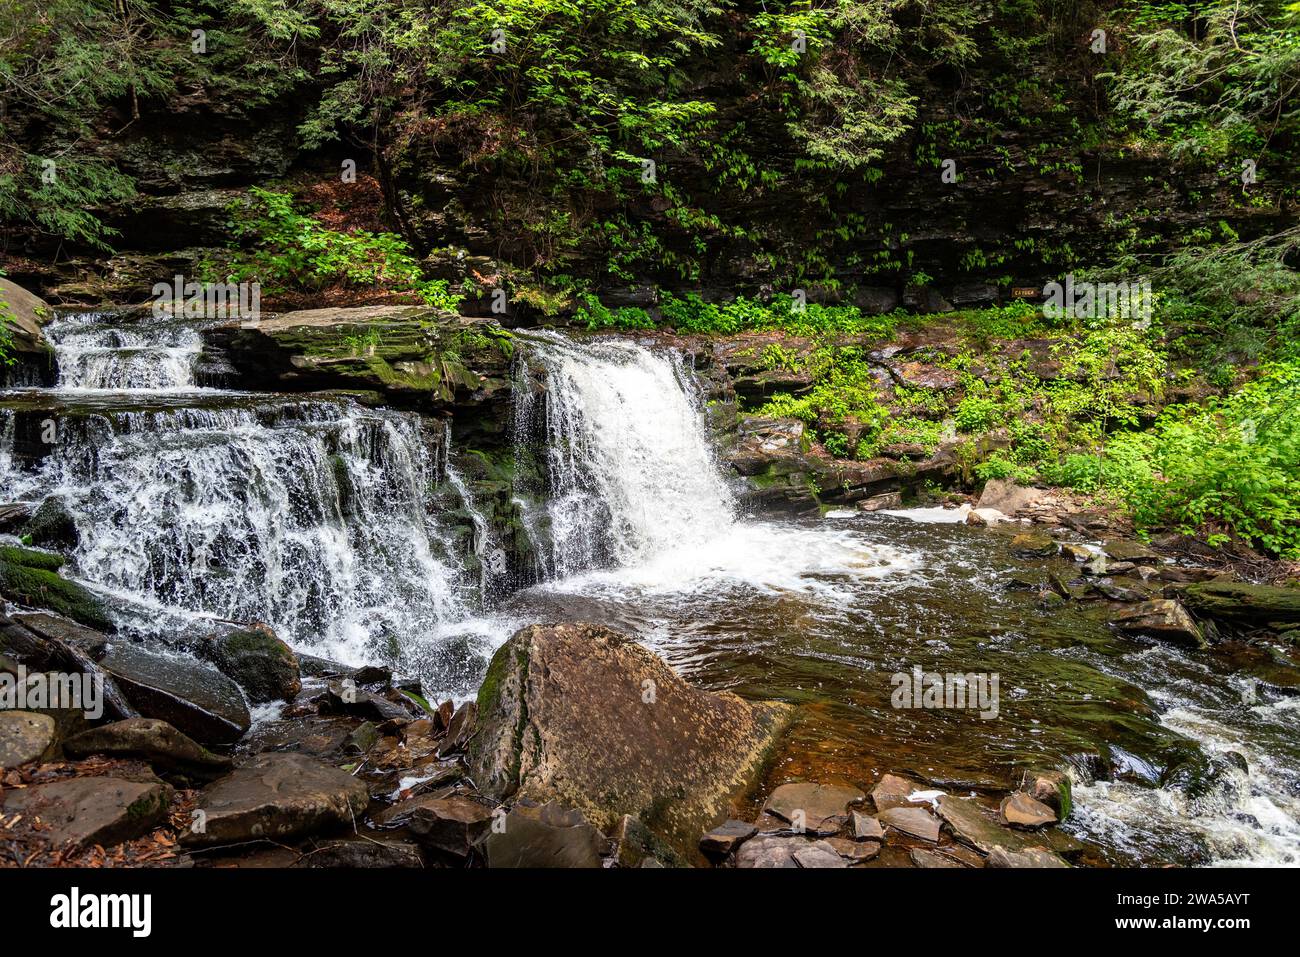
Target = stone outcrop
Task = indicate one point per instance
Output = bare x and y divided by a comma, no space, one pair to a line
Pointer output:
587,717
92,810
1161,618
149,739
277,797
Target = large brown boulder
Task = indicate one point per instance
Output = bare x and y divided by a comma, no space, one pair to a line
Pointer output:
25,313
581,715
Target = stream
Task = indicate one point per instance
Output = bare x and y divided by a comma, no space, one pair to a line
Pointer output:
320,517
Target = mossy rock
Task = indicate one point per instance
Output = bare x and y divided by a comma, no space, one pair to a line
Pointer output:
31,578
1267,605
52,525
259,662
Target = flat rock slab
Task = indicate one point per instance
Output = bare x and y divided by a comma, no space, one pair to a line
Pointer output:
583,716
893,791
358,852
866,827
856,852
453,823
89,811
922,857
769,851
154,741
819,854
916,821
1021,810
977,827
545,836
817,808
192,696
1029,857
277,797
1125,550
24,736
726,837
1161,618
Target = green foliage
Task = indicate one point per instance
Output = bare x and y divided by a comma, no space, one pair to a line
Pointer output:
292,251
1217,78
1232,466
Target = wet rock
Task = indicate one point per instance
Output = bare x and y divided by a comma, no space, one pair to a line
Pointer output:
25,736
1028,857
1021,810
193,696
768,851
459,730
636,846
362,739
818,854
1075,552
1123,550
817,808
893,791
853,851
1007,496
31,578
726,837
26,314
1033,545
916,821
92,810
921,857
882,501
368,853
259,662
277,797
580,714
1161,618
977,827
152,740
1126,590
13,515
985,516
348,697
544,836
1243,603
866,827
51,526
453,823
1051,788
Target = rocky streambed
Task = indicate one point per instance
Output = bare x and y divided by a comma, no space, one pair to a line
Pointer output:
315,621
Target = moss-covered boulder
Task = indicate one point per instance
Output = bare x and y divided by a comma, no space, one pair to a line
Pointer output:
581,715
31,578
259,662
1245,604
51,526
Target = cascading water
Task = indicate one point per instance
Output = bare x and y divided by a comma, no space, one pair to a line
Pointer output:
630,467
95,355
322,518
313,515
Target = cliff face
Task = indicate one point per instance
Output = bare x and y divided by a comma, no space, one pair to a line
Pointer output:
961,210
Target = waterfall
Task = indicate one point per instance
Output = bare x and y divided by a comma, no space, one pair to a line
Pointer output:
310,516
147,356
630,471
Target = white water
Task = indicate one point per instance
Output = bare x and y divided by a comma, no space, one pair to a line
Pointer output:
144,357
315,517
630,464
